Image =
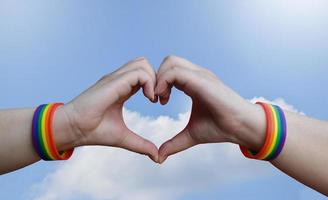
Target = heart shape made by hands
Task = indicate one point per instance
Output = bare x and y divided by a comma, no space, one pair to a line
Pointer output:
211,118
98,112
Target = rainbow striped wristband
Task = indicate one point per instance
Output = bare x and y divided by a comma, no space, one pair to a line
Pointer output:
42,134
276,133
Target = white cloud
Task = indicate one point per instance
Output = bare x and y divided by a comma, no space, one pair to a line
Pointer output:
278,101
108,173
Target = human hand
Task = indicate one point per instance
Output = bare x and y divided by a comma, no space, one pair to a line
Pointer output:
95,117
218,113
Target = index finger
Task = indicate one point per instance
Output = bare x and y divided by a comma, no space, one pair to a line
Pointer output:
172,61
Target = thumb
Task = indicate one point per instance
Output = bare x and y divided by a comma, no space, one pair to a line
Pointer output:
134,142
180,142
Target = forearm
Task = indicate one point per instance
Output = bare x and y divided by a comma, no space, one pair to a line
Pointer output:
305,153
304,156
16,148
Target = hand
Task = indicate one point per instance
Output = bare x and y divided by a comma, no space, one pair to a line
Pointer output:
95,117
218,113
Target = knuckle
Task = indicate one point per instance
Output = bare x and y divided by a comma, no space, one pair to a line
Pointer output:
142,74
137,63
142,61
174,62
140,58
144,64
140,71
170,58
104,78
175,68
147,67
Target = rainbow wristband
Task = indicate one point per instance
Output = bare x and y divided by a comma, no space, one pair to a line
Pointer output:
276,133
42,134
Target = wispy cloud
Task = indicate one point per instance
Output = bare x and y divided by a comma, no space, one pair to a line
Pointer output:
278,101
108,173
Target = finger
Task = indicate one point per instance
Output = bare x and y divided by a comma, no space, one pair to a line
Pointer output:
138,77
150,70
131,65
178,143
175,61
143,63
165,97
147,84
139,63
178,72
136,143
181,78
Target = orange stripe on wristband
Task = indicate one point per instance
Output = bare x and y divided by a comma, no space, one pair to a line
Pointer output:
275,134
42,134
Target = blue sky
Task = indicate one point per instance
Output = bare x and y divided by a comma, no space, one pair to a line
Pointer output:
52,51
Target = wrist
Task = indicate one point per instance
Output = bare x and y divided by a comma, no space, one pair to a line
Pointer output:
251,134
64,133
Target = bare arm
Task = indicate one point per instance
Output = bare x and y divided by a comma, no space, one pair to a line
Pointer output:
305,154
16,149
92,118
221,115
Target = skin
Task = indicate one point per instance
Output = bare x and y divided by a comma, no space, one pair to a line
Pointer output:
218,115
93,118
